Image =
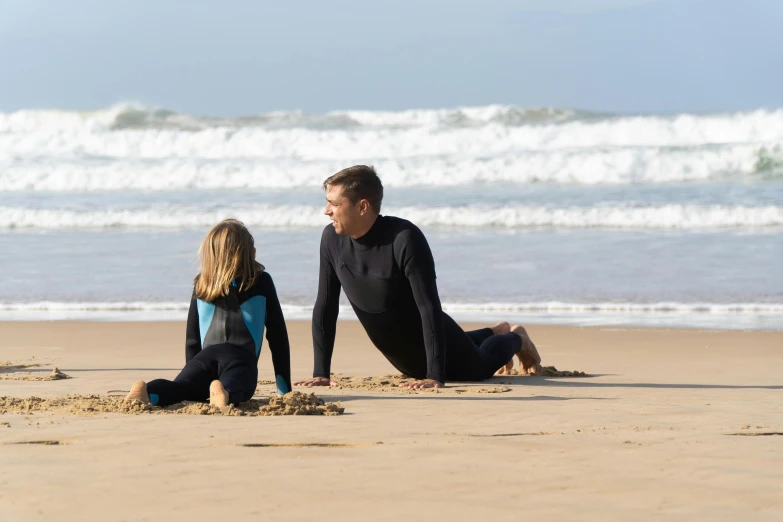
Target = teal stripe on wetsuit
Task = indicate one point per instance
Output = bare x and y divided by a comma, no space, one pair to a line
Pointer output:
253,315
205,313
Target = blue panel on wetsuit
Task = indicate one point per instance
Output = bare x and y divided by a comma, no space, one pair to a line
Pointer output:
205,312
254,314
154,398
282,387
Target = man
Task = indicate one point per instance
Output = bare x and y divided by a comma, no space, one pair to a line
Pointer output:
386,268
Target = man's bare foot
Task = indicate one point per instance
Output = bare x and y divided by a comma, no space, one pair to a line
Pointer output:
218,396
138,392
501,328
529,359
506,369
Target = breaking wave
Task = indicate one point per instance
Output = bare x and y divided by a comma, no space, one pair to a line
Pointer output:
510,217
710,315
129,147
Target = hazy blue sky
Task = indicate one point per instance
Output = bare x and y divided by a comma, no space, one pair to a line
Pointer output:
241,57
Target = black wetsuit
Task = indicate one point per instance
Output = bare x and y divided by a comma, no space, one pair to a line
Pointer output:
223,342
389,277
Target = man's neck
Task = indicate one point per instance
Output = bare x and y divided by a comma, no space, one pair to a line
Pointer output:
365,229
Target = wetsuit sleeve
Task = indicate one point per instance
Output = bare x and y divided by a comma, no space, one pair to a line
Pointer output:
325,312
415,258
277,338
192,333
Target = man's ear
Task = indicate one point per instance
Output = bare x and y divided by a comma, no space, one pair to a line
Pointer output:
364,206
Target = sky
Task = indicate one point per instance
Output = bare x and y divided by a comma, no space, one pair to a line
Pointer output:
240,57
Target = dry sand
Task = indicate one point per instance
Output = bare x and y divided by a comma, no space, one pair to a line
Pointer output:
669,424
13,371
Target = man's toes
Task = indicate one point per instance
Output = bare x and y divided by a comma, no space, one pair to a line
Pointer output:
529,360
506,368
531,368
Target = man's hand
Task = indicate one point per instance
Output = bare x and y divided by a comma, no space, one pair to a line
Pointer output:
316,381
421,384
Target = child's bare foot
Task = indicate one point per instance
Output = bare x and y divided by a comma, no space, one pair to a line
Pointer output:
218,396
529,359
501,328
138,392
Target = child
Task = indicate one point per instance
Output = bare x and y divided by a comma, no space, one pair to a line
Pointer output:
233,300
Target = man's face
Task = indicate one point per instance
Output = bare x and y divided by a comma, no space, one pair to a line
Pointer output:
345,216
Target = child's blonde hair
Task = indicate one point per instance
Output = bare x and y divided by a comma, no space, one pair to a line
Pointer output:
225,255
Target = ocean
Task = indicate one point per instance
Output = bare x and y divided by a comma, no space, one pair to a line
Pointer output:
533,215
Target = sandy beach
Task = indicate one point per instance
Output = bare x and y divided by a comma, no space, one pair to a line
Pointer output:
671,424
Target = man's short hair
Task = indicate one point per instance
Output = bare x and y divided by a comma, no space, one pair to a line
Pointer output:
358,182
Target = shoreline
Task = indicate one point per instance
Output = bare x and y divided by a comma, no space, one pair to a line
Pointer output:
722,322
467,324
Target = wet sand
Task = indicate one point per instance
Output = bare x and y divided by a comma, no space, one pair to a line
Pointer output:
669,424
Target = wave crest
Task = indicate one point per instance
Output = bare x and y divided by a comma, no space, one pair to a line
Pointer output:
591,166
686,217
132,147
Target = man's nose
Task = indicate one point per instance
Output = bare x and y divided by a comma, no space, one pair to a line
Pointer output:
328,210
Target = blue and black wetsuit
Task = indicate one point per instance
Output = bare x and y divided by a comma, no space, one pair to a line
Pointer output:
389,277
223,343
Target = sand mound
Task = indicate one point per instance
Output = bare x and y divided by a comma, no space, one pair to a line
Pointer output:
493,389
391,384
384,383
294,403
550,371
10,371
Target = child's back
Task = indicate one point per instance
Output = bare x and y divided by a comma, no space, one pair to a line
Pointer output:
234,302
240,319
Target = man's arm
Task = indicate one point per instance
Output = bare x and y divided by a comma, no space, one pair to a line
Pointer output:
277,337
325,312
192,332
418,265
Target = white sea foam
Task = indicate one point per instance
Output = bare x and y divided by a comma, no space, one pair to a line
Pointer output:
615,216
659,307
135,148
551,306
708,315
591,166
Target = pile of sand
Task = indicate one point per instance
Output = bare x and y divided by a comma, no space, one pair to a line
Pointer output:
391,384
548,371
493,389
10,371
294,403
384,383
